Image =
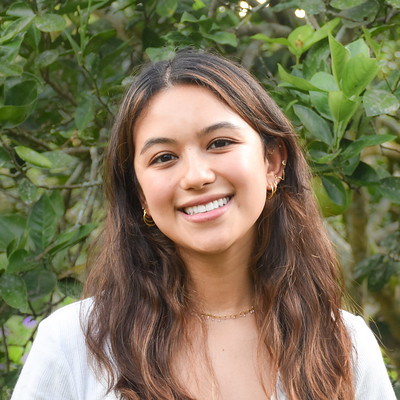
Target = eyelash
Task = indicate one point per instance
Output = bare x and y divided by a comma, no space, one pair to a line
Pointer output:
158,159
213,145
226,142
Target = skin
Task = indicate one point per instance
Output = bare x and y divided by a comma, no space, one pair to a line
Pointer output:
192,149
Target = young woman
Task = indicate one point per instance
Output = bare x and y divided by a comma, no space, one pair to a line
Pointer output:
215,278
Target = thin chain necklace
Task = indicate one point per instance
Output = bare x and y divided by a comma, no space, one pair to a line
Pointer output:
220,318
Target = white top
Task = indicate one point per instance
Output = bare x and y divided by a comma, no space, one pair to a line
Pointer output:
57,366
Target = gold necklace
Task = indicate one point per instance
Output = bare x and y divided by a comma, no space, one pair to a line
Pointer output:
220,318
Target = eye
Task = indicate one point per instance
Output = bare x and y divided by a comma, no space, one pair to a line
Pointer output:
219,143
163,158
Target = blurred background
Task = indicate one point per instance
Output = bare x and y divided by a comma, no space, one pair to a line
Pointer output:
332,66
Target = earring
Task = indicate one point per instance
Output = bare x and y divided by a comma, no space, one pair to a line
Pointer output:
147,219
282,178
274,189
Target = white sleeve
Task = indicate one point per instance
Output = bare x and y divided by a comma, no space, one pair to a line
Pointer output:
371,378
46,374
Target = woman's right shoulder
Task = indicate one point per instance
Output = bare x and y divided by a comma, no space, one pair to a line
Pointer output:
68,318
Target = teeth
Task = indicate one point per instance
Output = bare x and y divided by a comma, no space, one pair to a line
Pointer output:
212,205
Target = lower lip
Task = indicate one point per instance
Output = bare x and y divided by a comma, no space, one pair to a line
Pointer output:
208,215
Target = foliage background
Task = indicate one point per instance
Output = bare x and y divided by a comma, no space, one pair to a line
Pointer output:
64,64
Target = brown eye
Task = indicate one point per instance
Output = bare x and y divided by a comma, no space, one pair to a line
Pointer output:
216,144
163,158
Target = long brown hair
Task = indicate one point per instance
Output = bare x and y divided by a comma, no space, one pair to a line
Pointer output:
141,287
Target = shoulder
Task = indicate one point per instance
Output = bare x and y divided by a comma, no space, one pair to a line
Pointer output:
70,314
65,325
370,375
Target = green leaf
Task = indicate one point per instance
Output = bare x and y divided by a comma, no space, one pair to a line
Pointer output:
187,17
7,69
20,9
70,238
21,260
4,157
377,102
13,291
296,81
50,22
315,125
57,203
46,58
33,157
166,8
390,188
364,175
320,101
98,40
374,45
60,160
70,287
222,38
362,142
265,38
342,109
344,4
84,113
313,6
363,13
335,189
366,266
322,33
357,74
159,53
39,283
11,227
320,153
42,222
380,275
324,81
340,55
298,39
23,93
358,47
27,191
21,25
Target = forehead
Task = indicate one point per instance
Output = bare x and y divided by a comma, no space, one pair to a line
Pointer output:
183,105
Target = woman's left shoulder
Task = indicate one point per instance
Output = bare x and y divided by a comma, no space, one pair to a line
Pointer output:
371,378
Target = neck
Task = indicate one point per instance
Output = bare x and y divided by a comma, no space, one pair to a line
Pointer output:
222,283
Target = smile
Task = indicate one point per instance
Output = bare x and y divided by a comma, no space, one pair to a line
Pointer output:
212,205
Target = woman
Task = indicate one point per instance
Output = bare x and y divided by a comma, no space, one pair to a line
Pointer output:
215,278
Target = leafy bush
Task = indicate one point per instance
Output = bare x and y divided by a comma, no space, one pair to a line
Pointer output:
64,66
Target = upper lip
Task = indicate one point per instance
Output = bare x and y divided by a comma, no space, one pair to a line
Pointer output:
203,200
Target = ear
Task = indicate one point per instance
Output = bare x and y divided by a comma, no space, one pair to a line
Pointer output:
275,163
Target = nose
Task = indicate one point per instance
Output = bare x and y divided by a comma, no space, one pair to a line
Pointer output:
197,172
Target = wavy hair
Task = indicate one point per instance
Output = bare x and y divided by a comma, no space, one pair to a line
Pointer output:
140,285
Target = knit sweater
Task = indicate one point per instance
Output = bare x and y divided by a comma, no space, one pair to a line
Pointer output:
57,366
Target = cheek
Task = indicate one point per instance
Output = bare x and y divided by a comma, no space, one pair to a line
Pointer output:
158,194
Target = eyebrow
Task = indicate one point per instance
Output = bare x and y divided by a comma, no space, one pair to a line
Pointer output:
203,132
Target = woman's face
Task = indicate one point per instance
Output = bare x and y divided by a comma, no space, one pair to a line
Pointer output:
202,170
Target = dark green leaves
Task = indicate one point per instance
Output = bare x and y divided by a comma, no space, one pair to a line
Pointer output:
377,269
50,22
315,125
13,291
43,221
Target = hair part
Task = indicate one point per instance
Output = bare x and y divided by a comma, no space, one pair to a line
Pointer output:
141,291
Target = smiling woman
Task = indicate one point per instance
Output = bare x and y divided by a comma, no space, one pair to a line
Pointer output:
214,278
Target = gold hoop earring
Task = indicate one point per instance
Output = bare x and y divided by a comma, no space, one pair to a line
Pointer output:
273,190
147,219
282,178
